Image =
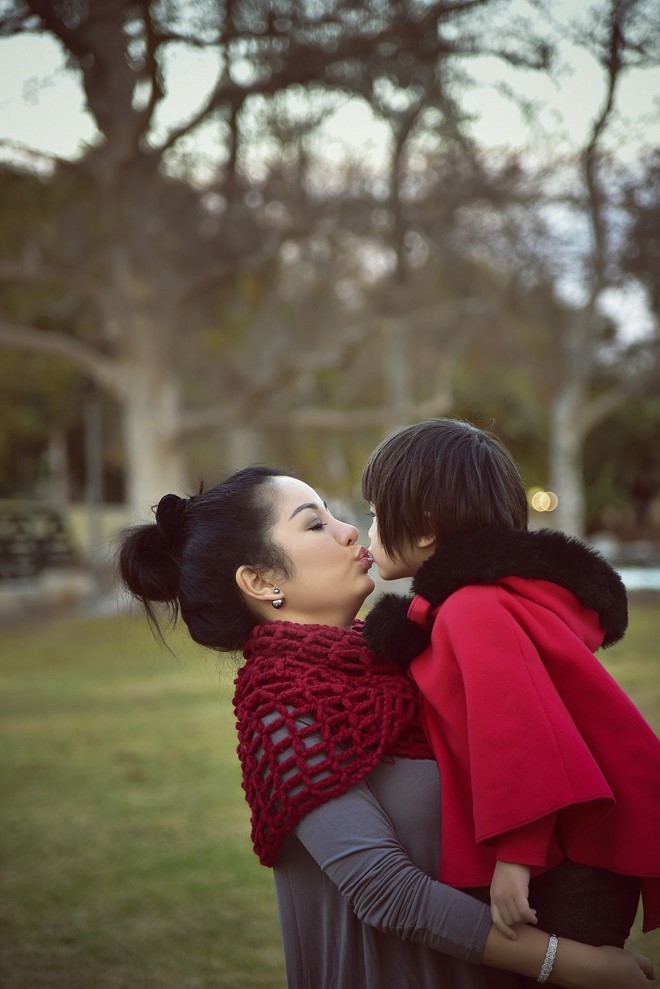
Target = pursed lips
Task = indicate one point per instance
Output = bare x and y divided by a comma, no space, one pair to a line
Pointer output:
364,557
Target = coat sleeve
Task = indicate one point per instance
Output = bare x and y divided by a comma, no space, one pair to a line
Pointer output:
528,845
521,749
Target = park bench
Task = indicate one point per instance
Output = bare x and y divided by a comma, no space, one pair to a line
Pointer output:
33,537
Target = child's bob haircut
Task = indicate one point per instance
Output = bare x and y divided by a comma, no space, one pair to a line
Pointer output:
441,478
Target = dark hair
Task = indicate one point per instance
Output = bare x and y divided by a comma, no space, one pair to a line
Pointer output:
445,478
189,557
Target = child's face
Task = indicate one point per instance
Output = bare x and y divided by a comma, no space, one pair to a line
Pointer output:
394,568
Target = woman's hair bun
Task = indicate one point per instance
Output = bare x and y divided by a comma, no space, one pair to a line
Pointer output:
147,565
169,515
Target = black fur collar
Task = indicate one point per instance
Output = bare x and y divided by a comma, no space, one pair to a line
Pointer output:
490,555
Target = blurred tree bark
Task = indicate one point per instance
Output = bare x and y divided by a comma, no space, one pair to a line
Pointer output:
624,40
577,228
343,296
141,249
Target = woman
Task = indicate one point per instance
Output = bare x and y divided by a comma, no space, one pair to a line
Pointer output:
339,779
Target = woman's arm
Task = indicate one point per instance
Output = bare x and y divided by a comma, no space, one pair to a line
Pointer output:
353,841
576,966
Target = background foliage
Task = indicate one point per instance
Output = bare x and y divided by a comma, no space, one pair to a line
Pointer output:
243,275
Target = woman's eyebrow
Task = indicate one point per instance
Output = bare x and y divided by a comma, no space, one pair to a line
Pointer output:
308,504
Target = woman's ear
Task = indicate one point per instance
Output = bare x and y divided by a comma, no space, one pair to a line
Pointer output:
253,585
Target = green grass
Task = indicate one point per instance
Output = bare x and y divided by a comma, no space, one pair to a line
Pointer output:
635,664
124,836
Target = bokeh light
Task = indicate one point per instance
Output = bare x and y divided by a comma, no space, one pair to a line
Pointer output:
542,501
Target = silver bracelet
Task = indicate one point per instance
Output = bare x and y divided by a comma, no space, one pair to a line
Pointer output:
546,967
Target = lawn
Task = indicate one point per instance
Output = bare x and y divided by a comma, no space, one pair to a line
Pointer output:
126,859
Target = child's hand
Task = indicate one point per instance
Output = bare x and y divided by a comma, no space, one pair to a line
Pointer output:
508,898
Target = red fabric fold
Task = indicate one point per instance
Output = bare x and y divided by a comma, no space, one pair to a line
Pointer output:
525,724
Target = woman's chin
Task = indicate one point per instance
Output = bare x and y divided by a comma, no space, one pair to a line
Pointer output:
372,584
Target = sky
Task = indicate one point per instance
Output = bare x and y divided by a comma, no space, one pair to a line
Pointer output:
42,107
41,102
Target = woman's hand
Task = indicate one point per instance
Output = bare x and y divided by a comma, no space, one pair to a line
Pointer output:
576,966
509,902
606,968
646,966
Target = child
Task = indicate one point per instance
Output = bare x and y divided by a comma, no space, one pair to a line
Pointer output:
547,768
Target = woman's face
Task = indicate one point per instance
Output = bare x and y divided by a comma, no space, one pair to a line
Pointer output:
330,578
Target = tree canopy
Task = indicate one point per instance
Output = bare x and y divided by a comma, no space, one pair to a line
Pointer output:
240,270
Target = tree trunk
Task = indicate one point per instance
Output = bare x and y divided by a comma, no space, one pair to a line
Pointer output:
57,487
150,411
399,389
566,462
244,447
94,478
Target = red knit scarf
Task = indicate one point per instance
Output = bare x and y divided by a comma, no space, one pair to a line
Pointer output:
315,713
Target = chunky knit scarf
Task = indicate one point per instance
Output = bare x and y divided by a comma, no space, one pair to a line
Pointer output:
315,713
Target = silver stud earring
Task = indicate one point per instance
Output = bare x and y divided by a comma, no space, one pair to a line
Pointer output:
278,602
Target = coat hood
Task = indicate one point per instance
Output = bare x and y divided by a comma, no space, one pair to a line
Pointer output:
486,557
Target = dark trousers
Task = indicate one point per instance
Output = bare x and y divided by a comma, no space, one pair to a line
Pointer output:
578,902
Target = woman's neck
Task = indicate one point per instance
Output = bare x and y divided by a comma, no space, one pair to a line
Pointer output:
334,620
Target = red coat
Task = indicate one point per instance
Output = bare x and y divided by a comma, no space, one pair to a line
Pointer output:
541,753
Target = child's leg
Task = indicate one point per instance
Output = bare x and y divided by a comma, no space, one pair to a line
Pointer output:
586,904
590,905
575,901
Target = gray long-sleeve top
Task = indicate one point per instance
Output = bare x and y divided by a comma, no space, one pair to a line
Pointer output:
358,907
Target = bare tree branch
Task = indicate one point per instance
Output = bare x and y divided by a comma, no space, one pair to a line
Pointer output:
283,378
32,270
603,405
103,370
157,93
38,157
275,381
